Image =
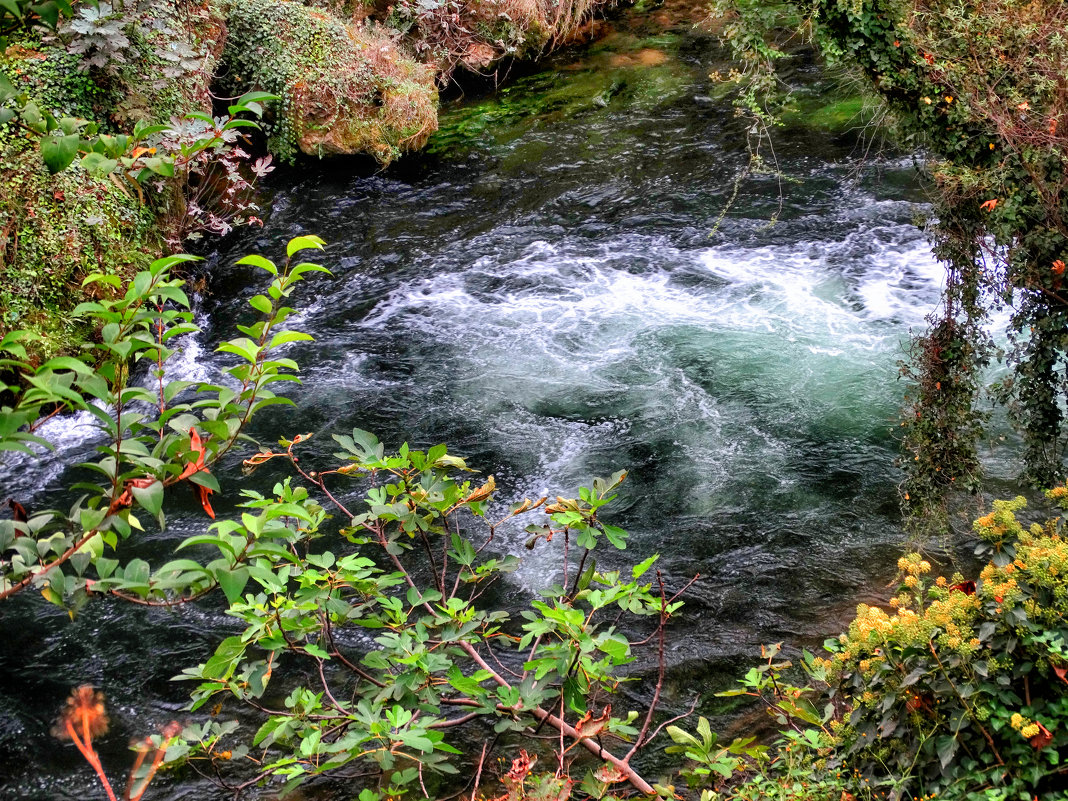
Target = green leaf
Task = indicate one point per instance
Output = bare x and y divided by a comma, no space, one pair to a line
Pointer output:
150,497
283,337
261,303
59,151
67,363
640,570
259,261
99,165
7,89
232,582
300,243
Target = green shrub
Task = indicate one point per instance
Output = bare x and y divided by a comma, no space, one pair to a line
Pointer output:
957,691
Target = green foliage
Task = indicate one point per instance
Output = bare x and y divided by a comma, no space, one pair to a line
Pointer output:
62,552
436,645
83,197
18,15
959,691
131,156
362,650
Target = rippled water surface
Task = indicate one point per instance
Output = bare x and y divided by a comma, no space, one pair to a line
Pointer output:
553,293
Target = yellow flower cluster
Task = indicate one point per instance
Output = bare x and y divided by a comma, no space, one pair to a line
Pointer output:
954,617
949,620
1027,728
1041,561
913,565
999,585
1059,495
1001,523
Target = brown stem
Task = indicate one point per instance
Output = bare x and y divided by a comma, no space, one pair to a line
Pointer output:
446,724
51,565
478,773
638,741
592,746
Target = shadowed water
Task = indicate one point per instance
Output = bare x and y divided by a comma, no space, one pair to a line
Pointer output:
555,292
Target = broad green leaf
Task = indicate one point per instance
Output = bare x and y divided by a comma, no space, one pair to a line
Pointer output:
59,151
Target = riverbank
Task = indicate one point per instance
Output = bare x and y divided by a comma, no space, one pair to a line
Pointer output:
352,78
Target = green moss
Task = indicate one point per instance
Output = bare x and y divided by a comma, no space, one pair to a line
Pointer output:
344,89
613,81
59,228
837,116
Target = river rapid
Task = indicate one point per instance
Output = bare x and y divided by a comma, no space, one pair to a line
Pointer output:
561,288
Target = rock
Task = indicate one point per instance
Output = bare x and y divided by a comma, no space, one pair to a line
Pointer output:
346,88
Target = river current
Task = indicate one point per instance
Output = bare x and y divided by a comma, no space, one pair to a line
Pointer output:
561,288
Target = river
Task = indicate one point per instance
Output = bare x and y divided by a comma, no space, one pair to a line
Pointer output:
556,292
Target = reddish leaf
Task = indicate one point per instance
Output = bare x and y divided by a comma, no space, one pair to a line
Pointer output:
202,494
521,766
1042,739
967,587
197,446
609,774
590,726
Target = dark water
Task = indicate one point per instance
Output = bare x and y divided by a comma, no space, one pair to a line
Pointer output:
552,292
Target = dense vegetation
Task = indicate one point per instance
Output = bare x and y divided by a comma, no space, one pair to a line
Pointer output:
140,85
980,86
957,690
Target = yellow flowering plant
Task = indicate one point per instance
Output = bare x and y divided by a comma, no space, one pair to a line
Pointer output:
956,689
959,688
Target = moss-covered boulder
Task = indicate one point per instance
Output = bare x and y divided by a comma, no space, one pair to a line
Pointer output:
345,88
56,229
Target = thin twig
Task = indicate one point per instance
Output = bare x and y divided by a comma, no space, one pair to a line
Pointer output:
478,773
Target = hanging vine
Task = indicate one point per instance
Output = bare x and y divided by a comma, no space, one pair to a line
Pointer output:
982,87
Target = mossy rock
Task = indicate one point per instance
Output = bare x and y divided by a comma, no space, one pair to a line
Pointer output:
57,229
345,88
837,116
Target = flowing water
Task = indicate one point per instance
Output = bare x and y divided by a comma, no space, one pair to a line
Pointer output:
555,291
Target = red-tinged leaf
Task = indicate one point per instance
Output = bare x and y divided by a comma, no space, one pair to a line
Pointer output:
521,766
1042,739
18,511
197,447
967,587
124,500
1061,672
202,494
590,726
609,774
